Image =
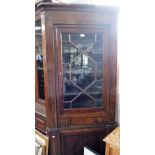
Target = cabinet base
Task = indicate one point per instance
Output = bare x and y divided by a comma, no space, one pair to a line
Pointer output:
72,141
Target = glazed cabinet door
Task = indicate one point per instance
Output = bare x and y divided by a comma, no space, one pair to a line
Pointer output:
83,71
40,95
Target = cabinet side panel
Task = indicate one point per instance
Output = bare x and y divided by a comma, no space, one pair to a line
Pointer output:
113,71
49,65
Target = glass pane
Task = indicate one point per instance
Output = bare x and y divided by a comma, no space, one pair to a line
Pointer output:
70,91
98,103
82,62
98,46
83,40
83,71
67,105
83,101
69,52
65,37
99,37
41,83
95,90
39,59
99,71
66,71
96,56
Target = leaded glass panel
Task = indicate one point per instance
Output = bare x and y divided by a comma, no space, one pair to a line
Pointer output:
82,63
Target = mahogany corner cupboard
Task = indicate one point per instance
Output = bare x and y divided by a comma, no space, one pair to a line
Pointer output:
76,69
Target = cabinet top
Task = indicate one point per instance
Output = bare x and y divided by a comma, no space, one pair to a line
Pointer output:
75,7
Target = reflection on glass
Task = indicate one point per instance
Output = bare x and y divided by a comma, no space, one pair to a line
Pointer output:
82,71
39,59
82,62
83,41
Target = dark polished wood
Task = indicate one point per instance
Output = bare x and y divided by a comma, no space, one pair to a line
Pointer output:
40,122
76,7
70,129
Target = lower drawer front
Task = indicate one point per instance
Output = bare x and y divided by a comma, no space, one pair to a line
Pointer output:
40,124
